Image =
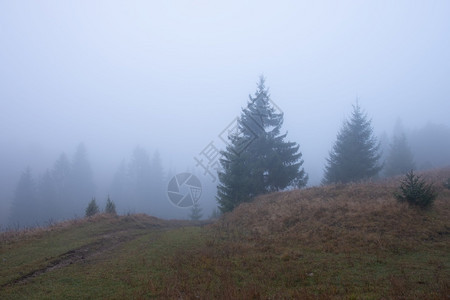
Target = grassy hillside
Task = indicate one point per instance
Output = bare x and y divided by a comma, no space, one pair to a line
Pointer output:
342,241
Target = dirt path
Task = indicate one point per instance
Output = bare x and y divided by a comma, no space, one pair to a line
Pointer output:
104,243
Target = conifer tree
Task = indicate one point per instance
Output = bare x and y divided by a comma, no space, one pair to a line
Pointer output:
257,159
121,186
400,158
24,206
156,183
196,212
61,175
48,206
92,208
415,191
110,207
355,154
81,180
139,172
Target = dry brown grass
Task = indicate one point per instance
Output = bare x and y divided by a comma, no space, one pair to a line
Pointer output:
340,218
139,220
12,235
328,242
350,241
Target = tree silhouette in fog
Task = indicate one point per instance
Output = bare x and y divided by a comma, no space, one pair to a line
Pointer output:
24,204
355,154
139,171
157,181
257,159
400,158
61,177
82,185
196,212
139,185
60,192
49,208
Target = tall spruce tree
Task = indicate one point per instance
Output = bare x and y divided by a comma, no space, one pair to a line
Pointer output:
400,158
139,171
24,206
62,188
81,180
156,178
120,187
257,159
46,194
355,154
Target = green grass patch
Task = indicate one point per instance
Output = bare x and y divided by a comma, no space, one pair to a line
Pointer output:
194,262
343,242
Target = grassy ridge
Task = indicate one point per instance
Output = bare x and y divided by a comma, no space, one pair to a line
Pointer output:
347,240
343,241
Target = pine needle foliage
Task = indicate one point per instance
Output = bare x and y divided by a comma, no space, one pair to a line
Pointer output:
258,159
92,208
415,191
110,207
355,154
196,212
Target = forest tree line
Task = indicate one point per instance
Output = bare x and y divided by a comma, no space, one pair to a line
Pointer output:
259,159
64,190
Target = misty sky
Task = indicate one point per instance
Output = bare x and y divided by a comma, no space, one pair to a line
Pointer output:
171,75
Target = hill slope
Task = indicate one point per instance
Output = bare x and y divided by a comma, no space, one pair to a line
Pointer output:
343,241
333,218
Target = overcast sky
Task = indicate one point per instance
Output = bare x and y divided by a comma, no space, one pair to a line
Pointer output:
171,75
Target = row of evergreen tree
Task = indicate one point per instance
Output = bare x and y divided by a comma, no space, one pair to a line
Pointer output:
260,160
139,185
63,191
257,160
59,193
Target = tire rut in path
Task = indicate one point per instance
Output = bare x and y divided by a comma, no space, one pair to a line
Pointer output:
105,243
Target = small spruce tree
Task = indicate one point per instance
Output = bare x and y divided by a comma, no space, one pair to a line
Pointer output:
416,191
92,208
110,207
196,212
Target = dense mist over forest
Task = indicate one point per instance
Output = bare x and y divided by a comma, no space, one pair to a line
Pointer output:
117,98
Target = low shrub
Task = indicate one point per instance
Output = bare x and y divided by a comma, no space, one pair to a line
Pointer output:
92,208
110,207
415,191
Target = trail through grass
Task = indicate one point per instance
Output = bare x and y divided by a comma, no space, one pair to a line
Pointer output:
348,242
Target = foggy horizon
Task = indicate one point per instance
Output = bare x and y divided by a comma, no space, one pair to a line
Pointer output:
170,77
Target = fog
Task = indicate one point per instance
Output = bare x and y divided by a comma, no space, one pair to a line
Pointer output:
171,76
